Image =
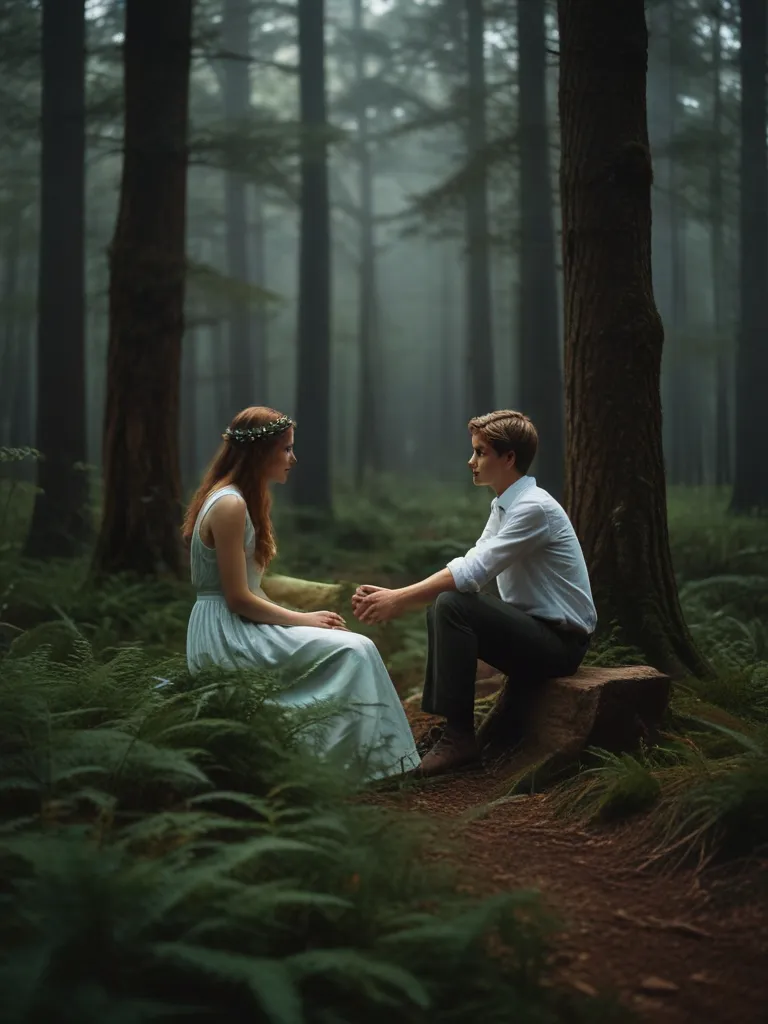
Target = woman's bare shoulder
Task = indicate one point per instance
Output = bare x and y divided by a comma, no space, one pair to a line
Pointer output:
228,505
227,513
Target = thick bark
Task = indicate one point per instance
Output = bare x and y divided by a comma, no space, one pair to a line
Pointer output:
60,522
245,388
313,483
723,368
142,487
368,454
750,487
615,487
541,387
480,367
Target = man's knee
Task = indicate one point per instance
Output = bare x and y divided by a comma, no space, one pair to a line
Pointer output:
451,602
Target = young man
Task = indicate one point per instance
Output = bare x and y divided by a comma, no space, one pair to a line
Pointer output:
540,624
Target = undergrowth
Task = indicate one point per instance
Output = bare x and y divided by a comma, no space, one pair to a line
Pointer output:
172,848
697,804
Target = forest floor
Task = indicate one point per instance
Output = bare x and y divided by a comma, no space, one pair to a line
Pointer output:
674,947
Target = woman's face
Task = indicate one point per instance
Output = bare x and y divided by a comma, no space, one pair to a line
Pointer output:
283,460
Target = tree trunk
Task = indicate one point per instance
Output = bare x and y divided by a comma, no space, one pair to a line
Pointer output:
615,487
685,459
9,357
218,361
259,319
541,388
479,304
313,483
189,411
60,522
368,456
142,487
451,427
21,424
245,389
750,488
723,467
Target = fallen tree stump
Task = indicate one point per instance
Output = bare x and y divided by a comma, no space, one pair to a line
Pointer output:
612,708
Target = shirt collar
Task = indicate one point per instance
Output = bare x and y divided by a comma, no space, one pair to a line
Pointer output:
507,499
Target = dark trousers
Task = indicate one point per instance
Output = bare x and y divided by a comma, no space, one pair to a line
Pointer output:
465,627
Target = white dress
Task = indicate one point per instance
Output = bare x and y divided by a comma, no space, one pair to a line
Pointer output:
326,664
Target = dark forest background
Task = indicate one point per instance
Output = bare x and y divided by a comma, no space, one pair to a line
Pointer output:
444,225
381,217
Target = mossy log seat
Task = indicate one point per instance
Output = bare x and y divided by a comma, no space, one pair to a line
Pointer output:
305,595
613,708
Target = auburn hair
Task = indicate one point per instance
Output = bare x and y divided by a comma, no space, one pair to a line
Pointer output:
508,431
241,464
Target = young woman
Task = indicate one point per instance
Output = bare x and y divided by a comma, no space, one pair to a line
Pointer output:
235,625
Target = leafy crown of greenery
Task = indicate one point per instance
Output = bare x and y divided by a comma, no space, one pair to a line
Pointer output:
248,434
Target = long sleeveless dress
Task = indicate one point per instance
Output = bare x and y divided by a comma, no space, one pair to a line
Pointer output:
316,664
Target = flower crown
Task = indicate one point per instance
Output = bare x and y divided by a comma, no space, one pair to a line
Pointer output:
245,435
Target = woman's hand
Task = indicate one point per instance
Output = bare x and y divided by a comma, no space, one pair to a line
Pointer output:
322,620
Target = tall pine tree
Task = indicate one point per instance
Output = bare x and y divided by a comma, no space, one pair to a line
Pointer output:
313,407
61,523
142,486
750,486
615,485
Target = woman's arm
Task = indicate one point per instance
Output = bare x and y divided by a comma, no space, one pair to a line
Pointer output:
227,523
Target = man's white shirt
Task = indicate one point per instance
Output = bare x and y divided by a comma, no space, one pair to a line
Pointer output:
531,548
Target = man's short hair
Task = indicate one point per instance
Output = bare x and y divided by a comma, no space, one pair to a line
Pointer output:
508,431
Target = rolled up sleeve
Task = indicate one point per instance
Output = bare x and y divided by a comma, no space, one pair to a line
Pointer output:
519,535
459,568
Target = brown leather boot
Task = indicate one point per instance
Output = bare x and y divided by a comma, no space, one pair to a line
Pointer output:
452,752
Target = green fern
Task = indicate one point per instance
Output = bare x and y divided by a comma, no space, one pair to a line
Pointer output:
136,887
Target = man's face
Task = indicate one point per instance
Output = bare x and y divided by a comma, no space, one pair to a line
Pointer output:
489,469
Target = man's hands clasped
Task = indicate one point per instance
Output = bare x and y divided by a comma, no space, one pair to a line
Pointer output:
373,605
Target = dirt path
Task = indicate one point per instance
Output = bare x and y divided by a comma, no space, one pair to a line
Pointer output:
675,949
